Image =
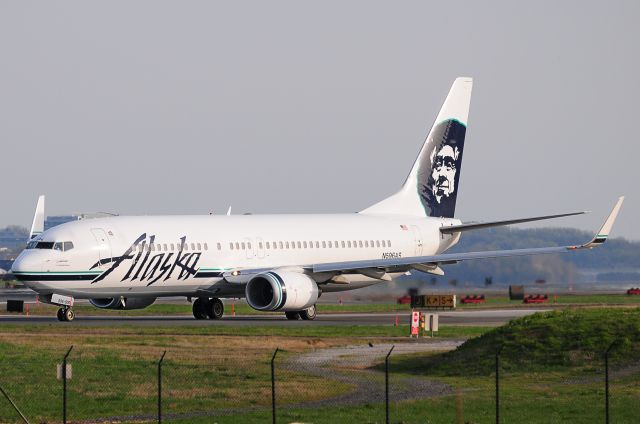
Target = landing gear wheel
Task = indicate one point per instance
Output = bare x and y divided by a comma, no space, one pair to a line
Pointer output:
292,315
69,315
215,308
309,313
200,308
60,314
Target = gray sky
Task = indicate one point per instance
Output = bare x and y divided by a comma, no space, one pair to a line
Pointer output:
154,107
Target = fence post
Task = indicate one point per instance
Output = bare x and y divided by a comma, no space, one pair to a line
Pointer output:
498,384
273,385
606,382
14,405
64,386
386,384
160,387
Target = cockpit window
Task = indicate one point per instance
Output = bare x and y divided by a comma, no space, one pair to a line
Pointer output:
61,246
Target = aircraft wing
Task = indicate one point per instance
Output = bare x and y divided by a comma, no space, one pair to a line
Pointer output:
452,229
390,264
377,268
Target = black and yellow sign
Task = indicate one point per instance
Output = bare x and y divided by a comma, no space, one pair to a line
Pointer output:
434,301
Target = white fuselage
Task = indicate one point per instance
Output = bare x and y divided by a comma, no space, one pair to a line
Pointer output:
187,255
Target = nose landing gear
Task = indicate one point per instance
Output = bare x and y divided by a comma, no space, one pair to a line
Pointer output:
204,308
66,314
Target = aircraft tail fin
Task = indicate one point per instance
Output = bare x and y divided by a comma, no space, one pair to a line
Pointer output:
432,186
37,227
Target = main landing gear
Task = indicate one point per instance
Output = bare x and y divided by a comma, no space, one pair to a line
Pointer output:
306,314
204,308
66,314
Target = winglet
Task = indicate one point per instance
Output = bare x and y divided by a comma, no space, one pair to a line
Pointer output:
37,227
602,235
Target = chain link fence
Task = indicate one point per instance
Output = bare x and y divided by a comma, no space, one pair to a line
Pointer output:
363,384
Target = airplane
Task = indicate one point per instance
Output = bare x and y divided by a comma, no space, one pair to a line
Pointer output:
277,262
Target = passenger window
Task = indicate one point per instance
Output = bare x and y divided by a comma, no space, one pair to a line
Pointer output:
388,243
268,245
231,246
260,245
206,247
287,244
377,243
330,244
165,247
335,244
57,246
237,246
68,245
299,245
342,244
281,245
360,243
366,243
304,243
249,245
243,246
199,246
219,246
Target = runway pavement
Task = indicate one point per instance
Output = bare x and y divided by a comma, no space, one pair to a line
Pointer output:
476,317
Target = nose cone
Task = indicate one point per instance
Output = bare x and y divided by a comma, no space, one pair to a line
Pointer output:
28,261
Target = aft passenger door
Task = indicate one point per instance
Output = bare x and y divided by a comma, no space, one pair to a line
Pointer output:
104,247
417,239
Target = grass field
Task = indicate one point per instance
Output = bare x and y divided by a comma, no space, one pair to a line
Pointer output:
551,372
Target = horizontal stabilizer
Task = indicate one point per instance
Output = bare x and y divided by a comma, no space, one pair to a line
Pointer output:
480,225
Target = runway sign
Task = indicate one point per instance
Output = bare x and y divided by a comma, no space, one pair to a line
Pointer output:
415,323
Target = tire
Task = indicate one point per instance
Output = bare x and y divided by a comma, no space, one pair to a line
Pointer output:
292,315
309,314
60,314
69,315
215,308
200,308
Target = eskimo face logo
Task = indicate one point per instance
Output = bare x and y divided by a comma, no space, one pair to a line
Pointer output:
439,170
444,171
151,268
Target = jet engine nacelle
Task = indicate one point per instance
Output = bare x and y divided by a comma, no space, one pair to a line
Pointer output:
281,291
123,302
